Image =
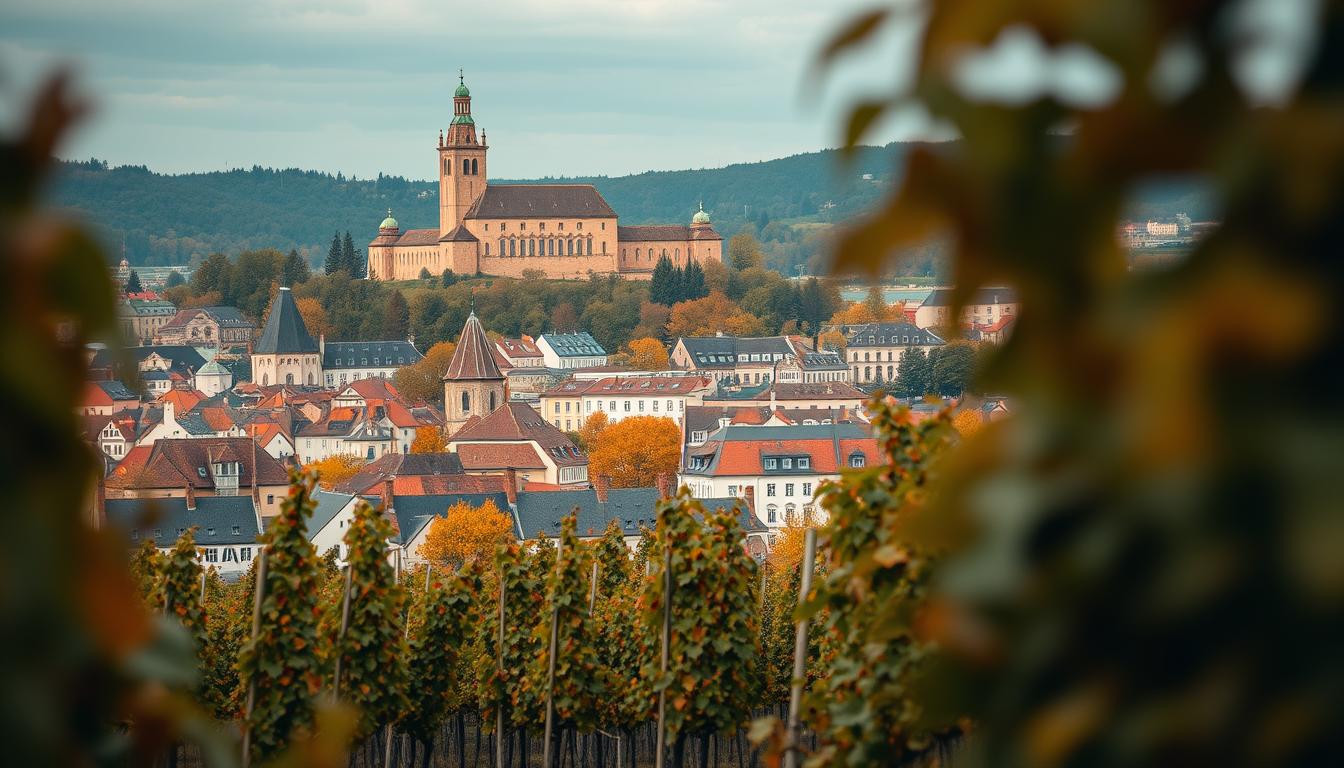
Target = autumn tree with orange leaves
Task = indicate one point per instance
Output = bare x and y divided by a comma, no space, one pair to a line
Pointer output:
634,451
716,312
648,355
335,469
466,534
424,379
429,439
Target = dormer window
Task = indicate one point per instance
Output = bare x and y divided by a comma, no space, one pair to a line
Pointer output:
787,463
771,463
804,462
857,460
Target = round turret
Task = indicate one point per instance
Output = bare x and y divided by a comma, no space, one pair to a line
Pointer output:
700,216
389,222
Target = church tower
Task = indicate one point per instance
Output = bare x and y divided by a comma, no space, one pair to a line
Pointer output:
461,163
472,385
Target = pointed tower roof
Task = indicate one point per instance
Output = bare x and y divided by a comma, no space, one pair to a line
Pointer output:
284,332
472,360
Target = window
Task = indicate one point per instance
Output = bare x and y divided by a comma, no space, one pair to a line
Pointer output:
211,555
788,464
245,553
466,402
473,168
557,406
788,489
613,406
209,531
655,406
466,166
237,530
732,490
627,406
769,489
772,513
856,460
807,489
804,462
641,406
770,463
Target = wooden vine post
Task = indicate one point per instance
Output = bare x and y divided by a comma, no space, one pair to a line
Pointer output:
661,756
499,666
800,651
387,740
345,624
257,597
546,749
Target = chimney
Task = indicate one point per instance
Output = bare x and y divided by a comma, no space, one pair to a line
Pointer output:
749,495
511,485
600,485
844,414
387,494
322,345
665,483
191,496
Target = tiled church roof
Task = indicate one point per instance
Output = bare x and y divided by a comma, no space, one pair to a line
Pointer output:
472,359
285,332
460,234
521,201
419,237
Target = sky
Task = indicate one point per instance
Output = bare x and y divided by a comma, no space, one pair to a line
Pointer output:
562,87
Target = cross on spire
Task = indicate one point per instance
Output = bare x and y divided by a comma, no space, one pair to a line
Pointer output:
461,79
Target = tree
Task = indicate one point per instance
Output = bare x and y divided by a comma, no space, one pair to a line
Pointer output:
133,283
442,623
464,535
716,312
876,302
424,274
179,588
372,653
314,316
396,317
423,380
834,341
350,258
648,355
282,661
952,367
335,469
913,378
744,252
429,439
634,451
591,430
448,278
294,270
174,279
564,319
693,282
661,287
335,256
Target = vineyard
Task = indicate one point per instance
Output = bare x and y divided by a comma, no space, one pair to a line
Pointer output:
567,652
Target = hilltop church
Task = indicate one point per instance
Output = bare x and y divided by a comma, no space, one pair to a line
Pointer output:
563,230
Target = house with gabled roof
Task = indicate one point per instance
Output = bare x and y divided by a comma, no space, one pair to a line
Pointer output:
780,466
514,436
571,350
211,466
226,527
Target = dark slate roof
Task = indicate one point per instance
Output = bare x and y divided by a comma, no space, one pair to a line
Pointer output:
632,508
328,505
823,361
184,358
891,334
722,351
942,297
391,465
231,317
160,520
363,354
285,332
581,344
240,368
414,512
540,201
419,237
116,390
473,359
653,232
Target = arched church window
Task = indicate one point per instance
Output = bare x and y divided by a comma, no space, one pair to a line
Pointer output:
550,248
636,254
513,247
310,379
492,401
466,166
604,247
265,379
466,402
487,249
589,246
447,167
531,247
289,379
501,246
664,253
678,253
473,168
579,225
570,246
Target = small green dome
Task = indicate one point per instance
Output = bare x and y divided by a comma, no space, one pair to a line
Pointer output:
389,222
461,90
700,216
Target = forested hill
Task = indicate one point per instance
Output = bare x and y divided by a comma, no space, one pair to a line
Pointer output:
175,219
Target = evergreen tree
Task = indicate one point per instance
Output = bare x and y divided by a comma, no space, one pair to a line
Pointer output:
812,304
396,317
174,279
660,287
294,270
133,282
951,368
912,378
448,278
677,284
335,257
348,252
424,274
693,283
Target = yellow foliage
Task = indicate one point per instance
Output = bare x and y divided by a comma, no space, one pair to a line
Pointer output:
336,469
424,380
648,355
968,421
832,340
429,439
715,312
861,312
634,451
591,429
314,316
466,534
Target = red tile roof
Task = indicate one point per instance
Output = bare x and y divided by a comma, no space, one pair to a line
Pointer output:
419,237
183,400
173,463
95,396
518,422
478,456
653,233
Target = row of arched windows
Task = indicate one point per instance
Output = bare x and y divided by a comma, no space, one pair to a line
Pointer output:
549,246
652,253
469,167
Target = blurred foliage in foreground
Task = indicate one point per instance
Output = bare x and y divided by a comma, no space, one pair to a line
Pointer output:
1145,560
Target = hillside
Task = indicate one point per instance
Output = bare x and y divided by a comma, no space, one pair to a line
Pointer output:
175,219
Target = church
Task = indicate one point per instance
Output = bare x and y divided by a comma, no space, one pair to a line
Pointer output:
566,231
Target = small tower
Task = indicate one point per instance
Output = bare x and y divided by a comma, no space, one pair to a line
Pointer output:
381,265
706,245
472,385
461,163
285,353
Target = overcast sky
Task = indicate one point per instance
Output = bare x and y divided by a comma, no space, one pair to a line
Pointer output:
563,87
